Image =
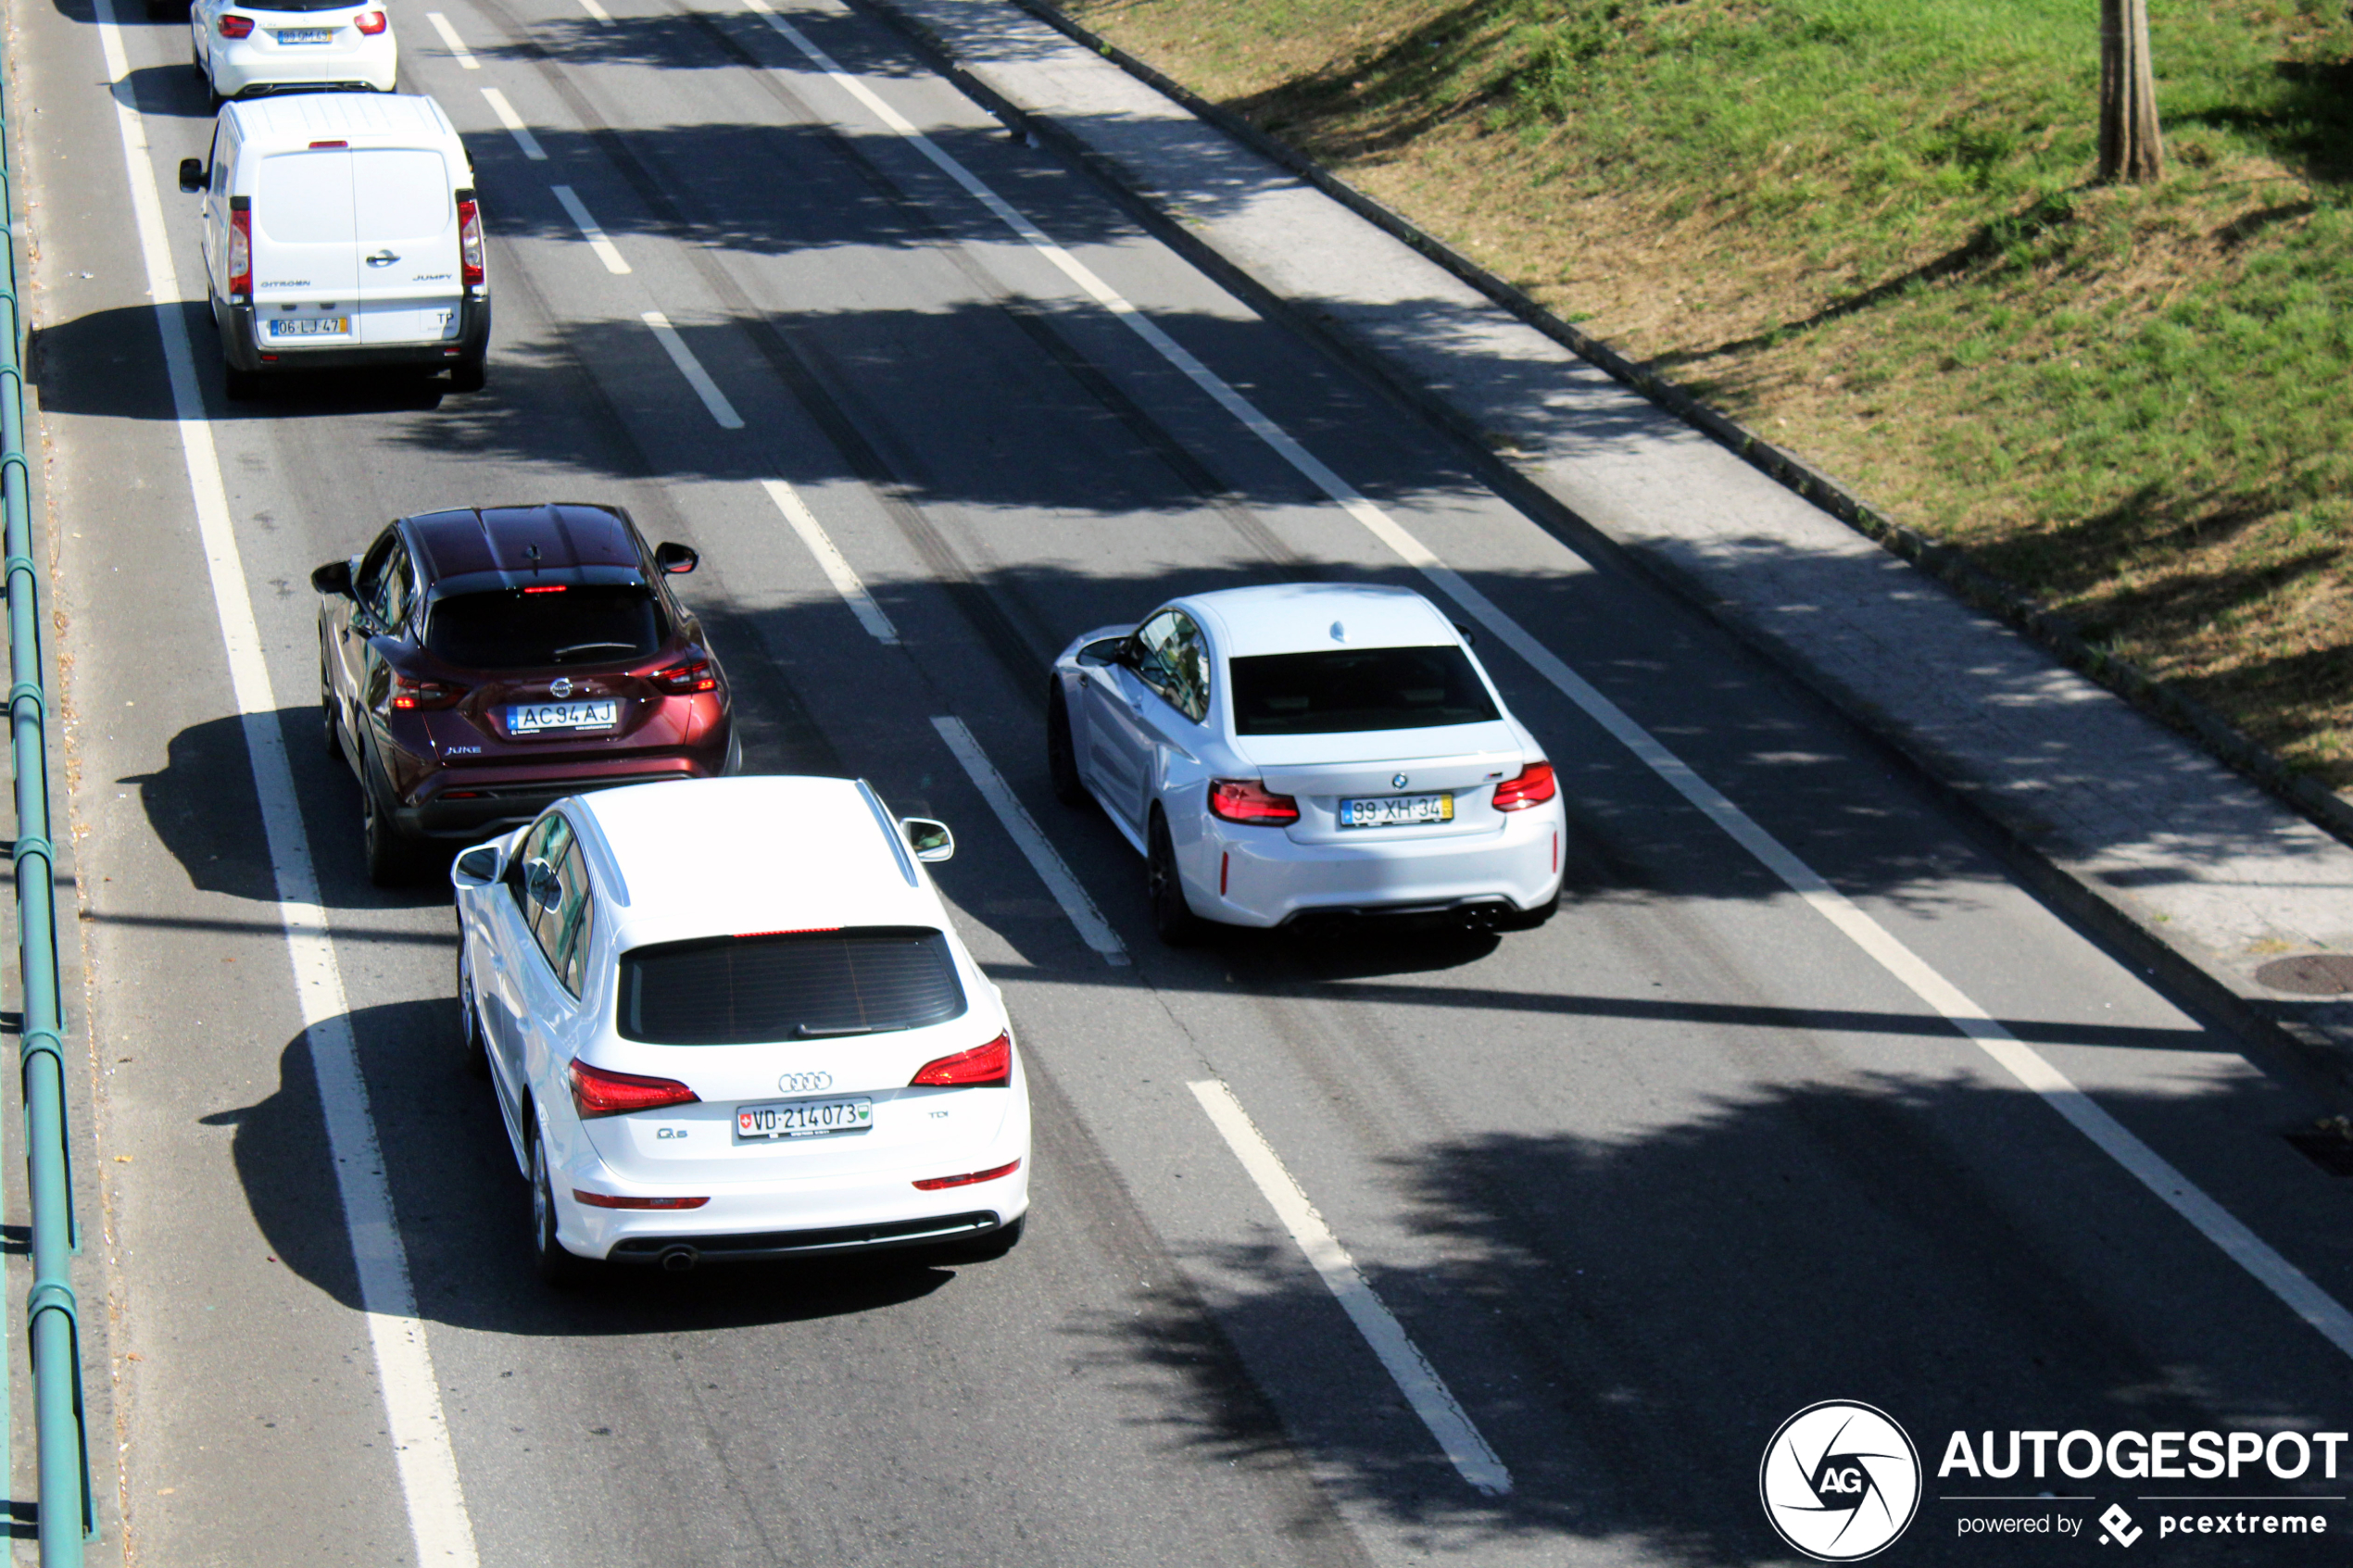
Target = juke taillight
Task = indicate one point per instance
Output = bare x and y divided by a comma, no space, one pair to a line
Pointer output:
695,675
414,693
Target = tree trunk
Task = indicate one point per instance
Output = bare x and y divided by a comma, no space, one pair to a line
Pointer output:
2131,148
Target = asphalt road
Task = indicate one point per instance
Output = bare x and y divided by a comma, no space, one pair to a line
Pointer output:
1637,1186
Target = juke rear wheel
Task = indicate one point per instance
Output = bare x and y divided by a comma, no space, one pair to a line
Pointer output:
391,859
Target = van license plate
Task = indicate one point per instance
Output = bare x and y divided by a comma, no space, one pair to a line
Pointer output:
1397,810
803,1119
533,718
311,326
306,35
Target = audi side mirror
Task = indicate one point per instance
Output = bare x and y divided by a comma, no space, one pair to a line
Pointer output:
192,176
478,867
675,559
930,840
333,578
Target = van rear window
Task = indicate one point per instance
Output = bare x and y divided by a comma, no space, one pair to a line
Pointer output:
789,986
511,629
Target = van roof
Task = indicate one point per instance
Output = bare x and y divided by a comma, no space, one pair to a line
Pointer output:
298,119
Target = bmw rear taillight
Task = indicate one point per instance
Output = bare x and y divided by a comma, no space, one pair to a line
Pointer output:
983,1067
1247,800
415,693
933,1183
236,27
240,247
369,23
470,258
597,1092
1533,785
692,676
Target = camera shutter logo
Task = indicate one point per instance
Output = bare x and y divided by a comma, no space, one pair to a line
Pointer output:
1839,1481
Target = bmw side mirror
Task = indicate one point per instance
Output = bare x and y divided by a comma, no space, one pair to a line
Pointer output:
930,840
676,560
539,881
191,175
333,578
478,867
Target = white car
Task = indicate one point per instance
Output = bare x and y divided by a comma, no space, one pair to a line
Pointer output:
729,1019
1307,749
239,49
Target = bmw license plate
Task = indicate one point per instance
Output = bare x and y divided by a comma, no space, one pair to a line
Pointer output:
311,326
306,35
1397,810
536,718
802,1119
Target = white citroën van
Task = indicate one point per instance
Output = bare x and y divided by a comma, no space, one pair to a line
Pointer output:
340,229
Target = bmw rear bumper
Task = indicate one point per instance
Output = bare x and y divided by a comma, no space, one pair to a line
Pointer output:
1262,878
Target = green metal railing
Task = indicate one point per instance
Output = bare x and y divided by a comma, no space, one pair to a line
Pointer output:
67,1506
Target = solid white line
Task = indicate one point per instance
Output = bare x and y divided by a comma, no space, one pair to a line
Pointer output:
1093,929
437,1521
2030,1067
515,127
450,36
837,568
590,231
691,368
1416,1378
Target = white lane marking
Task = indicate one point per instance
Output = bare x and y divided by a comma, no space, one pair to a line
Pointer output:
838,570
589,230
515,127
1416,1378
457,45
596,11
691,368
438,1524
2030,1067
1093,929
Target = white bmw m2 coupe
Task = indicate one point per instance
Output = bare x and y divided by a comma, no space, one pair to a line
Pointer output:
1306,749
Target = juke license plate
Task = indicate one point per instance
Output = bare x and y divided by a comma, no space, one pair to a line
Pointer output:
1397,810
311,326
534,718
306,35
803,1119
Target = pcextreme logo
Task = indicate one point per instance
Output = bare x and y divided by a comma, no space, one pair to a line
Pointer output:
1839,1481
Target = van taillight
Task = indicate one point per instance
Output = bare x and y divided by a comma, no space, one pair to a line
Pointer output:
469,259
236,27
241,252
369,23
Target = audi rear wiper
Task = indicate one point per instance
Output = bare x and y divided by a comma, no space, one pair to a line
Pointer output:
826,1030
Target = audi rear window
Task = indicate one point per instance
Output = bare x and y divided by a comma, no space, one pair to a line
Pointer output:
296,5
790,985
1345,689
521,628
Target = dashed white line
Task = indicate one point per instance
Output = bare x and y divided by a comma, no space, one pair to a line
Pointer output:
1093,929
596,11
837,566
2028,1066
515,127
458,49
578,212
691,368
1416,1378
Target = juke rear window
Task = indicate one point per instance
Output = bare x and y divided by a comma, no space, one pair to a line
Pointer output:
1341,690
518,629
789,986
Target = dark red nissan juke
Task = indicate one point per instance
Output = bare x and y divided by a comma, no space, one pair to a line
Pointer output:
475,665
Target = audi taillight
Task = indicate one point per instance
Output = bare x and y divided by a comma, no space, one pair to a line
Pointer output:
235,27
933,1183
1533,785
1247,800
983,1067
414,693
469,259
613,1200
369,23
240,249
692,676
597,1092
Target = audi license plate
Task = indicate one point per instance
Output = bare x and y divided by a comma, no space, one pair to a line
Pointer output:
803,1118
1397,810
311,326
306,35
534,718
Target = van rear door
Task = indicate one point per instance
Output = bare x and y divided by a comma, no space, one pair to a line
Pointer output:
406,225
303,254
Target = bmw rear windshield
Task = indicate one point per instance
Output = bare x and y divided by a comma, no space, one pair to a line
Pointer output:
789,986
1340,690
528,628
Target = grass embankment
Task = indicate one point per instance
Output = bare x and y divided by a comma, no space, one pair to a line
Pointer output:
1866,229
